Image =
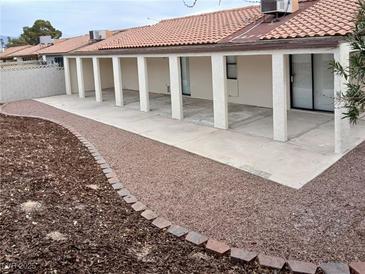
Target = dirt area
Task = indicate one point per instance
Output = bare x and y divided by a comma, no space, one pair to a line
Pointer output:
58,214
323,221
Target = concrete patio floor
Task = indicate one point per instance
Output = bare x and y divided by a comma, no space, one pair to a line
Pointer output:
247,145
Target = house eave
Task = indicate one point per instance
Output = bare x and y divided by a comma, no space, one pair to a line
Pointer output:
277,44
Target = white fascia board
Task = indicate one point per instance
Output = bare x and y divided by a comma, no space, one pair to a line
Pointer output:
226,53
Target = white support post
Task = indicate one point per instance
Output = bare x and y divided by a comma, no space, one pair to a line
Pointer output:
280,109
66,65
220,97
143,84
80,77
97,80
175,84
342,126
118,84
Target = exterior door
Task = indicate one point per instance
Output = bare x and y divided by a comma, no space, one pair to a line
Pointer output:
312,82
185,76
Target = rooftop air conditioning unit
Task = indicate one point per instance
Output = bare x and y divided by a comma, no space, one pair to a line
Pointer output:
45,40
98,35
279,6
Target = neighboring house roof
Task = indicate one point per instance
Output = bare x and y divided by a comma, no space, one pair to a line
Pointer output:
32,50
67,45
324,18
191,30
9,51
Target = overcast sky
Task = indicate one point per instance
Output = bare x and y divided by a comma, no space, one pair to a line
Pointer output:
74,17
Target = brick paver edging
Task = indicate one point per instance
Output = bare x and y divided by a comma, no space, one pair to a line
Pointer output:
217,247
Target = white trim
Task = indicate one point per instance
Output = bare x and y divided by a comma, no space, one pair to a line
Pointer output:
225,53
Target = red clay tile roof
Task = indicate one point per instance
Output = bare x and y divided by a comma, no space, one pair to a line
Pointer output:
66,45
315,18
191,30
324,18
9,51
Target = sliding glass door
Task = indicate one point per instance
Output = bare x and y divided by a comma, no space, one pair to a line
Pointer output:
312,82
323,84
301,77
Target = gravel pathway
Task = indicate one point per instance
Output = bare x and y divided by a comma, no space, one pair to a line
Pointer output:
323,221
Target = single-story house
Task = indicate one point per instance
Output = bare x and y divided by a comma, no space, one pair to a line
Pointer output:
253,56
6,55
32,52
48,53
54,53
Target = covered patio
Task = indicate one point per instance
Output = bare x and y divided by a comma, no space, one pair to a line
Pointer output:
246,119
273,113
248,145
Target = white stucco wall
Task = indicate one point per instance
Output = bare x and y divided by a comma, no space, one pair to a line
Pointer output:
106,73
254,81
201,77
129,73
158,74
29,82
87,65
254,76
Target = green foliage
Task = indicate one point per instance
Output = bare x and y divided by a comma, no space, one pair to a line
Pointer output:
353,99
30,35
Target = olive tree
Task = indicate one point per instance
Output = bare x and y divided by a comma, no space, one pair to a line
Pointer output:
353,98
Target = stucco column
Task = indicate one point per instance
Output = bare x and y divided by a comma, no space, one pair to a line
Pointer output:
220,97
144,98
97,80
66,66
118,84
279,87
80,77
175,83
342,126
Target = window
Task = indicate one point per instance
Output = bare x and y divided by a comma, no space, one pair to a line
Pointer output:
185,75
231,67
59,61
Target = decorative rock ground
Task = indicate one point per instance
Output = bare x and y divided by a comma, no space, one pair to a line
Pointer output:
217,247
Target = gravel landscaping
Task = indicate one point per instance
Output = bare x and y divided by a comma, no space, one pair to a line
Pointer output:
59,214
323,221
